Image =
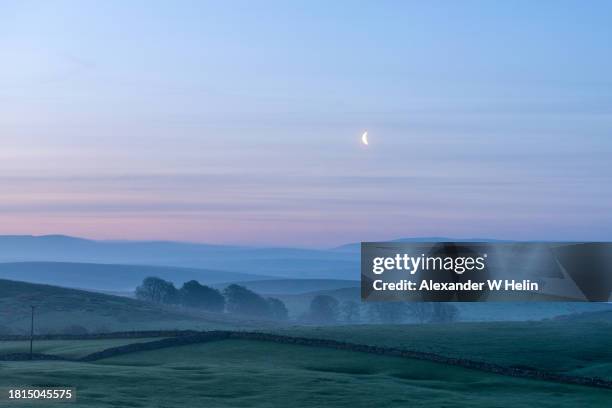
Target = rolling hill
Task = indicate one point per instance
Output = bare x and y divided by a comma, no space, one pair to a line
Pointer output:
294,263
58,308
277,262
356,246
111,277
569,347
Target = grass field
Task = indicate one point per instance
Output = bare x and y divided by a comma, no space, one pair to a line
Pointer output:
571,347
239,373
73,349
234,373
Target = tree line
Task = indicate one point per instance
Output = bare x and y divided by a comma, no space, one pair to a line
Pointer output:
233,299
323,309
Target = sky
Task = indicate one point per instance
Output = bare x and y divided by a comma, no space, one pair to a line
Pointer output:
239,122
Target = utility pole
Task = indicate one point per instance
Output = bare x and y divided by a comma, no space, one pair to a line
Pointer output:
32,332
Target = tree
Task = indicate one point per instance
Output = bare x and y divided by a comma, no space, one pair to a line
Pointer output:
157,290
389,312
277,309
444,312
243,301
351,312
193,294
421,311
323,309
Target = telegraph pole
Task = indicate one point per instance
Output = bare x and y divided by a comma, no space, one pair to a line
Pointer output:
32,332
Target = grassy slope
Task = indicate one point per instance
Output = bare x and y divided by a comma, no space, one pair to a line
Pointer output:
588,317
67,348
254,374
567,347
580,348
58,307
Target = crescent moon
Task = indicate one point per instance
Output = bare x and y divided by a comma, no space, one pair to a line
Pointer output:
364,138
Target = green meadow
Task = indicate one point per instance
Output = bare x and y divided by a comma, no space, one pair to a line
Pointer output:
72,349
247,373
567,346
238,373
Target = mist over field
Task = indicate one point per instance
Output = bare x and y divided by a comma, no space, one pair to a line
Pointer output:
146,309
294,276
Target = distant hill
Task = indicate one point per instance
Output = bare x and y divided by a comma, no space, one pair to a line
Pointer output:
294,263
57,308
293,286
356,246
277,262
110,277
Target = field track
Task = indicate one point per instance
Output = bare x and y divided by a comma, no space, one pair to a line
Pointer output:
182,338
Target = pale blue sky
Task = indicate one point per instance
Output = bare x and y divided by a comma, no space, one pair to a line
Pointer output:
239,122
